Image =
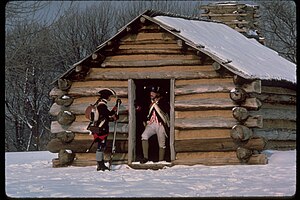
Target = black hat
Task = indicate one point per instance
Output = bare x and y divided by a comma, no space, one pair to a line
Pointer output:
105,93
156,89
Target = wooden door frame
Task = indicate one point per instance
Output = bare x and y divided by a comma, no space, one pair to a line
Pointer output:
132,120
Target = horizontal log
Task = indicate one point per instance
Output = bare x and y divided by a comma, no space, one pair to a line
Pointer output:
86,91
150,63
240,133
279,124
218,85
100,83
281,144
80,127
278,90
203,113
276,111
79,109
65,117
214,122
64,84
65,158
150,57
182,83
238,95
85,163
81,146
202,134
66,136
149,46
86,136
123,118
217,145
243,154
64,100
204,104
144,36
216,158
203,88
240,113
155,73
149,51
213,95
275,134
275,98
92,156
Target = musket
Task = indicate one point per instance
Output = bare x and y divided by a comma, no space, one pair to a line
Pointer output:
114,139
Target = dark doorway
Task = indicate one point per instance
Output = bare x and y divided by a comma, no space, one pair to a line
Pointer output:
143,100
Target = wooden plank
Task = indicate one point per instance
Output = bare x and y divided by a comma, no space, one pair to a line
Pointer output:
205,104
149,46
212,95
203,113
279,124
150,57
86,136
123,118
150,51
80,146
92,156
219,144
281,144
278,90
144,36
99,83
275,134
80,127
154,73
276,111
132,119
203,88
149,63
79,108
202,134
180,83
217,158
85,163
87,91
215,122
152,166
172,119
276,98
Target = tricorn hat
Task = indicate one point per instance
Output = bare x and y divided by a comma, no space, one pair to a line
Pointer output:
106,92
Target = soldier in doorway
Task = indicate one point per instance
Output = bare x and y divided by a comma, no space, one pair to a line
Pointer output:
157,123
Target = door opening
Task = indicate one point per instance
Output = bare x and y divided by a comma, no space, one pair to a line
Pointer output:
143,101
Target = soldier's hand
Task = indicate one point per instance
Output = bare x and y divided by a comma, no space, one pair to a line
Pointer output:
118,102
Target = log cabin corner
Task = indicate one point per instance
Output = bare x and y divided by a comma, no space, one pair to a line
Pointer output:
230,96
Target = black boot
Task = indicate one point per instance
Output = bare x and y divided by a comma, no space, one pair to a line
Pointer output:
145,146
101,166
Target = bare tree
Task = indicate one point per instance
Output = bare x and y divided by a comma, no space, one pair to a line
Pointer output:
279,27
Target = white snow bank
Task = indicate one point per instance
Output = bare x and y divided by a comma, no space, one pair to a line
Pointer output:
30,174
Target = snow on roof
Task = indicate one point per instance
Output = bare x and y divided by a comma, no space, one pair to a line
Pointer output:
241,55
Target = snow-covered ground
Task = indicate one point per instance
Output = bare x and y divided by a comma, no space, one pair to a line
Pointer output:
30,174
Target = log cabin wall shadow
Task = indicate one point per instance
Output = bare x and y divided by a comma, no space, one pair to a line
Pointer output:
221,112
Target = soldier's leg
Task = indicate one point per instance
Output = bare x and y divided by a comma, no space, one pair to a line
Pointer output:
161,136
100,155
148,132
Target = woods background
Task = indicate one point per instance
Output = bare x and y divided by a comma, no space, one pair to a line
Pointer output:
44,39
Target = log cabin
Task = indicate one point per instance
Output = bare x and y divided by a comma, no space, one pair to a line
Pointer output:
230,96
